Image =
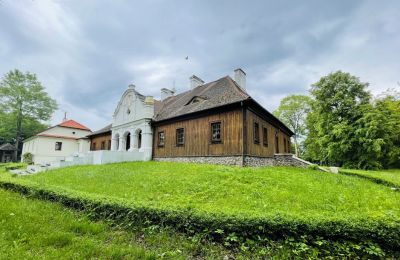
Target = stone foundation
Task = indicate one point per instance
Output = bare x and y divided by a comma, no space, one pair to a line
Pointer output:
223,160
250,161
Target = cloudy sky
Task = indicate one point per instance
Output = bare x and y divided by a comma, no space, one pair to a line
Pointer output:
86,53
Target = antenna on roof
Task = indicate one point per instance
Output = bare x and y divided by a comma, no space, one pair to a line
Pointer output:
65,116
173,86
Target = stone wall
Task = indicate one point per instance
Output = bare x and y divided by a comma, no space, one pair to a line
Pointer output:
250,161
223,160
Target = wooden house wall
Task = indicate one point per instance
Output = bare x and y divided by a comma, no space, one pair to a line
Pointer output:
198,136
106,138
259,149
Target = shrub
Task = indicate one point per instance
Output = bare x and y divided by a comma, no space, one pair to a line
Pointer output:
27,158
359,237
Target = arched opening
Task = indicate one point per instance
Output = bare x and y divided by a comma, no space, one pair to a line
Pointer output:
139,138
128,141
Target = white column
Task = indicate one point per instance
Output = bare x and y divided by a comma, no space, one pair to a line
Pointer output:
147,142
121,143
134,146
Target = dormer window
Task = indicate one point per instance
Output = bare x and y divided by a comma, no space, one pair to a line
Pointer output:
195,99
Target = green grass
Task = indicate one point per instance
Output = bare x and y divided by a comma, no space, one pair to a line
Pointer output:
234,191
42,230
387,177
296,210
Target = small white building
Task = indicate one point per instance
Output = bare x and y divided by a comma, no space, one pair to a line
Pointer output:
58,142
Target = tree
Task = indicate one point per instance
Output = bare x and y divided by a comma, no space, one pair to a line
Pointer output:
293,111
340,102
22,96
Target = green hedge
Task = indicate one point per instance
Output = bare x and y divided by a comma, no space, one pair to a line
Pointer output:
218,227
371,178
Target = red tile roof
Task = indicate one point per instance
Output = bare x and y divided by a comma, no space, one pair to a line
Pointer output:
73,124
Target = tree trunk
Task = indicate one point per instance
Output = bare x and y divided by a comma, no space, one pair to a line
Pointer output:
18,133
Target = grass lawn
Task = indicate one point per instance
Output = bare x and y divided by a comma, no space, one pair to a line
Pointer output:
248,192
271,211
43,230
389,177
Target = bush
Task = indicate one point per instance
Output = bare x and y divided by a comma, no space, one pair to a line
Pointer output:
14,166
356,237
27,158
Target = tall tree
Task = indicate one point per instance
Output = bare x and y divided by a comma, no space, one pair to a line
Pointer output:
23,96
293,111
340,101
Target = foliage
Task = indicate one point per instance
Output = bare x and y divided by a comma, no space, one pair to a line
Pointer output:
389,178
8,123
231,205
346,129
293,111
27,158
24,101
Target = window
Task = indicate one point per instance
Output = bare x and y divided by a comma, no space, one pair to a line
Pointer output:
93,146
256,133
73,133
288,145
103,145
58,146
161,138
109,145
216,132
265,136
180,136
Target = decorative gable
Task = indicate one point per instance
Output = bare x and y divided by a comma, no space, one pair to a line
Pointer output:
131,107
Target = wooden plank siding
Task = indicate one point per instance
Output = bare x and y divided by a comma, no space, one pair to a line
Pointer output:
260,149
98,139
198,136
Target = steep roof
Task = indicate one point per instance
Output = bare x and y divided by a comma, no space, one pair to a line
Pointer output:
211,95
73,124
103,130
223,91
7,147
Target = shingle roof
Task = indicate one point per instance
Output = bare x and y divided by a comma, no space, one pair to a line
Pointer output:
73,124
214,94
102,130
7,147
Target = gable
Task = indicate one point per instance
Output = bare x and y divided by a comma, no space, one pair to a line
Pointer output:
131,107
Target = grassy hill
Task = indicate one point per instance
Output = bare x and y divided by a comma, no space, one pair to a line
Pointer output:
388,177
243,207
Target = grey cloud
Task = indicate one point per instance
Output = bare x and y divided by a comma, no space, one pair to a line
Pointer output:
91,50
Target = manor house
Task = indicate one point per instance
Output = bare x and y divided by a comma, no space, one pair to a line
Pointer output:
216,122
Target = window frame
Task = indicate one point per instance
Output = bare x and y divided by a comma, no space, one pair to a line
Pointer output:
103,145
265,136
183,136
55,146
215,141
159,140
256,134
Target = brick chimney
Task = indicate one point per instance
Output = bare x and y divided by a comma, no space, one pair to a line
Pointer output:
165,93
195,82
240,78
